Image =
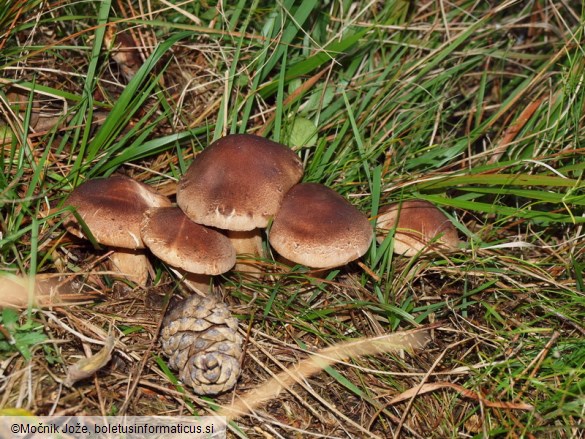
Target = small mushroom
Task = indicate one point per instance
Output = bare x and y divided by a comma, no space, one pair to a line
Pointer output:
317,227
196,249
419,227
112,209
237,184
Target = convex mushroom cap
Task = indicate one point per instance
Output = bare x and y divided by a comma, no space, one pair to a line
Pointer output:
180,242
238,182
317,227
112,208
420,226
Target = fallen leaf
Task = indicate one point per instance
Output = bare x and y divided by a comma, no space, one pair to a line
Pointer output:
44,290
86,367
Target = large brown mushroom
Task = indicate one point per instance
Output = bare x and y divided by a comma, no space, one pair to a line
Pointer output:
419,227
317,227
237,184
112,209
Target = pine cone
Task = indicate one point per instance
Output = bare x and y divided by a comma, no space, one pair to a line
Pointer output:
201,339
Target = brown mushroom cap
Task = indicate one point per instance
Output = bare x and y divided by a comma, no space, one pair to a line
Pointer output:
238,182
317,227
180,242
112,209
419,226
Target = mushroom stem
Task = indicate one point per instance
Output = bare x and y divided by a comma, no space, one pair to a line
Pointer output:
198,283
248,243
317,274
131,264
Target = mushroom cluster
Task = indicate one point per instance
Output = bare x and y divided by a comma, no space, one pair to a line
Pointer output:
237,184
232,191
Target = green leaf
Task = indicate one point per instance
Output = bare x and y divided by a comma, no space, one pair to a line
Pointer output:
9,318
23,342
301,133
